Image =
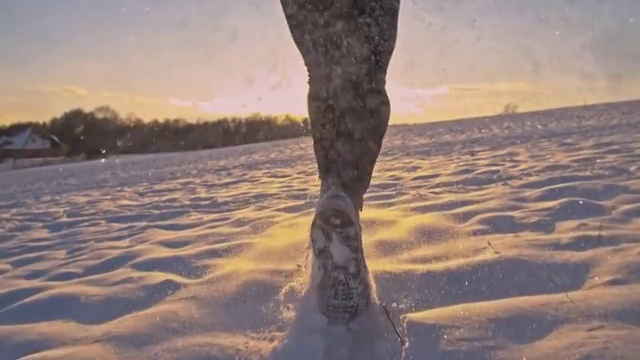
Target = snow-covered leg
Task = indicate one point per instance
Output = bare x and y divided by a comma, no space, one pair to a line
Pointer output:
346,46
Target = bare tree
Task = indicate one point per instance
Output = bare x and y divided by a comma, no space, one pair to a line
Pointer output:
510,108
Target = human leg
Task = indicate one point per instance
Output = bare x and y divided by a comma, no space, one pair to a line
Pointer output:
346,46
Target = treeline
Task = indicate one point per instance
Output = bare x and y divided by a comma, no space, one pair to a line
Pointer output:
104,131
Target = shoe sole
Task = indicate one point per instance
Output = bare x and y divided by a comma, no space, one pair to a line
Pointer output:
343,287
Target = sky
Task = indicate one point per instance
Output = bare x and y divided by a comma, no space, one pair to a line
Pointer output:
210,58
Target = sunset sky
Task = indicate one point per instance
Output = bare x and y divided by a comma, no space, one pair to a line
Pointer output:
205,58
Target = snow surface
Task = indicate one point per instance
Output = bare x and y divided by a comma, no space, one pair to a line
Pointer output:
12,164
492,239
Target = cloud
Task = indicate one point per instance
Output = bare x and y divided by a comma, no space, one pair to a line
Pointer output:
250,101
219,104
76,91
66,90
411,104
132,98
180,102
406,101
498,87
6,118
8,99
615,51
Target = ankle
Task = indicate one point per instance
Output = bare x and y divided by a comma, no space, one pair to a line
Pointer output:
330,187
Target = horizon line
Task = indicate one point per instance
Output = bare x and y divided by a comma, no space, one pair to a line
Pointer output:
219,117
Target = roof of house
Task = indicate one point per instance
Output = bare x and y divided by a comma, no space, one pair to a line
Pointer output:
17,138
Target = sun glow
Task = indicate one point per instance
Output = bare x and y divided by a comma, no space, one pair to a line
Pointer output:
288,95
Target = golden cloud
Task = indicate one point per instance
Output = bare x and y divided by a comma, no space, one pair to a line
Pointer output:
128,97
8,98
499,87
66,90
6,118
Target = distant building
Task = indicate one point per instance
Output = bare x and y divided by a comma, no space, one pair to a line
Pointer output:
31,141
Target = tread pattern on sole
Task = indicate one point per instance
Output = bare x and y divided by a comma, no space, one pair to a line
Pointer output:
343,288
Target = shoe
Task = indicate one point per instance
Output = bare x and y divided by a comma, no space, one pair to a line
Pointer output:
339,272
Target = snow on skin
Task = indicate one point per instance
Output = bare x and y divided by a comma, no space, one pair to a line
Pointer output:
501,238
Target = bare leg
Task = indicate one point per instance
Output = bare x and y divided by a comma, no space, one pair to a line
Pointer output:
346,46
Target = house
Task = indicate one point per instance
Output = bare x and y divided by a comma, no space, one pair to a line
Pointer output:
29,141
